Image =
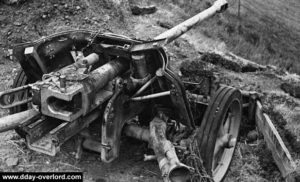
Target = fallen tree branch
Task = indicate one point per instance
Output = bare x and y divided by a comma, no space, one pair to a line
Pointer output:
232,62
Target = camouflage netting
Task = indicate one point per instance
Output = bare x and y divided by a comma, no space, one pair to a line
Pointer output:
193,159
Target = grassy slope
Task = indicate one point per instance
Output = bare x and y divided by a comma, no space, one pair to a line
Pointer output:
269,30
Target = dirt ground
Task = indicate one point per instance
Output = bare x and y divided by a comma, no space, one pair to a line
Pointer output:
30,20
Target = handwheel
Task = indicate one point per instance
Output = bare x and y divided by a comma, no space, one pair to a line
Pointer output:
19,80
218,132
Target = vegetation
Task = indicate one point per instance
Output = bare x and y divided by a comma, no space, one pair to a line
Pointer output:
260,33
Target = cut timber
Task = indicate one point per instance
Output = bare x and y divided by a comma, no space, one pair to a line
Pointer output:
247,65
231,61
275,143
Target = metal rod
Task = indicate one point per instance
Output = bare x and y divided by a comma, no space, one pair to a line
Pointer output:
12,121
151,96
146,85
137,132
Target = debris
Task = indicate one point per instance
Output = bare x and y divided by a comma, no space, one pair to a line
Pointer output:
8,53
135,178
44,16
2,18
149,157
9,33
9,2
137,10
78,7
252,136
12,161
17,23
292,89
165,24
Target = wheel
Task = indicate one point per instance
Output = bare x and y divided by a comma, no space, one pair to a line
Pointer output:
218,132
20,80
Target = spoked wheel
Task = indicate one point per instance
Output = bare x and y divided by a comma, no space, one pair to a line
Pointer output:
218,132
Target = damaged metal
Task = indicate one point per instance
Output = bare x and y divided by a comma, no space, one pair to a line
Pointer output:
125,86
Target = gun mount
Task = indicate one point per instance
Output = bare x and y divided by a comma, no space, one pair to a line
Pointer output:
71,79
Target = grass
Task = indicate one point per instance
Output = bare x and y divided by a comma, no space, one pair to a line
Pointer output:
263,33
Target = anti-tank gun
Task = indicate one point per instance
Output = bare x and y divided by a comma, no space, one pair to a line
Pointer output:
73,79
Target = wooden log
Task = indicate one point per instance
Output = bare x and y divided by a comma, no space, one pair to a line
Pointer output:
275,144
231,61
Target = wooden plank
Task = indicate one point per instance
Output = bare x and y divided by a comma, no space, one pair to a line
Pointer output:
280,153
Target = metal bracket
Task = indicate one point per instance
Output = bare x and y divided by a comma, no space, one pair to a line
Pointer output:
117,112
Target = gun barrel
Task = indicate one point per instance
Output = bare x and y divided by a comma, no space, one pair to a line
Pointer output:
10,122
185,26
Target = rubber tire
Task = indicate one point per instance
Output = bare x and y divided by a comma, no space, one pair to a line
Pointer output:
210,125
19,80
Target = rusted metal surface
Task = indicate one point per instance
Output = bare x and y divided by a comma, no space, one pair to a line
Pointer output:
84,75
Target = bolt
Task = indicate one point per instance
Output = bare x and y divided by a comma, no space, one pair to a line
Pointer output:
62,81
